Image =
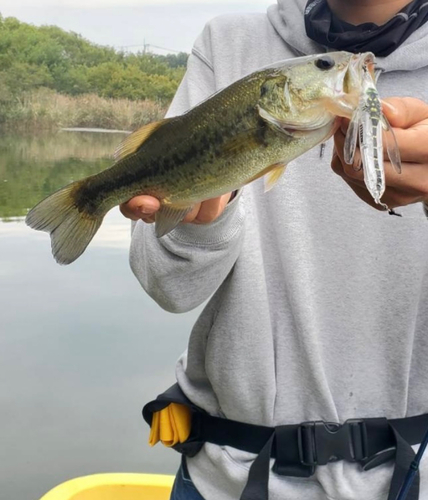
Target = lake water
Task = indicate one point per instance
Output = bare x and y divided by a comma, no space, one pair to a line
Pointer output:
82,347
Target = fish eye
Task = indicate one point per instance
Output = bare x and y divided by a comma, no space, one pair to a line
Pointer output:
325,62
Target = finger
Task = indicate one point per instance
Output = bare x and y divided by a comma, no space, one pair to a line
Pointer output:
411,185
412,143
392,197
129,214
404,112
409,117
364,195
140,207
191,216
211,209
344,124
356,185
413,179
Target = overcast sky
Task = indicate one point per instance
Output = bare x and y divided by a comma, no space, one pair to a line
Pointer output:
173,24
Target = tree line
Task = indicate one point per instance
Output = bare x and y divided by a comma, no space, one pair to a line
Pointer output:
32,57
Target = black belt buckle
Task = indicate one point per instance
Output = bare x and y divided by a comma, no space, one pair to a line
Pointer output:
322,442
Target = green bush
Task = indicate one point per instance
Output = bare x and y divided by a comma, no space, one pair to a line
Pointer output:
32,57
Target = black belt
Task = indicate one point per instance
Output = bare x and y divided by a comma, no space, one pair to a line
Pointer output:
299,448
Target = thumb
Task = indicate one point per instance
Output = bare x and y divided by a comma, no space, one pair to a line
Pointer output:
404,112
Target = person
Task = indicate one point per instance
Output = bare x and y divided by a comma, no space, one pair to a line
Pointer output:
318,303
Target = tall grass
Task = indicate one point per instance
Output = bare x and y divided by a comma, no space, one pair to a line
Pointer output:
45,109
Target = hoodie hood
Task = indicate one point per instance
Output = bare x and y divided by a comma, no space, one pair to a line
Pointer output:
287,18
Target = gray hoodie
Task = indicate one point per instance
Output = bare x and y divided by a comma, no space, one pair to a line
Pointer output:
319,303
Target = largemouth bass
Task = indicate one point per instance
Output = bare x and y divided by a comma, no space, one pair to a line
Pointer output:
253,127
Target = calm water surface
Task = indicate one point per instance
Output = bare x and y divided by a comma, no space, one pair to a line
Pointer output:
82,347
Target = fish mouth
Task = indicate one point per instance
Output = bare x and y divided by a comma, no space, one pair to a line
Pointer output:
356,65
364,60
348,84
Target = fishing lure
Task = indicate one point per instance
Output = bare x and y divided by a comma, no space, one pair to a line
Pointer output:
365,128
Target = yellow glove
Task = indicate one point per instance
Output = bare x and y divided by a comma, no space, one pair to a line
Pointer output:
171,425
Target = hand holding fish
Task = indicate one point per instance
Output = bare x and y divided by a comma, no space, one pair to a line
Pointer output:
409,119
145,208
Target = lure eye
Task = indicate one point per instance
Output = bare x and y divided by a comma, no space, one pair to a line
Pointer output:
324,63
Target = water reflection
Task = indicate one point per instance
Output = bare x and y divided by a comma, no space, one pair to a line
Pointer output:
81,347
35,166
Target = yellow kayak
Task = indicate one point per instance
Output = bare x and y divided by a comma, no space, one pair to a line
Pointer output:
116,486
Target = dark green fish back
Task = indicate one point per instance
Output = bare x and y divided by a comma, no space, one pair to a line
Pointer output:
185,150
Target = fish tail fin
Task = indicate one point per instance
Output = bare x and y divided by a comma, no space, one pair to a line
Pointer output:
71,228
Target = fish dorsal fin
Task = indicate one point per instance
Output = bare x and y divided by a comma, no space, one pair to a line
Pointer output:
134,140
168,217
272,177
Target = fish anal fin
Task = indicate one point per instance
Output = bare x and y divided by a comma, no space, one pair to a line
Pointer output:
136,139
273,176
168,217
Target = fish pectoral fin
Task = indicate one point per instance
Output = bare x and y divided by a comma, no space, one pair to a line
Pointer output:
134,140
168,217
244,141
273,176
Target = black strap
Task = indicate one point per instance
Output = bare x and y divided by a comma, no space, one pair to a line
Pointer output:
403,458
413,470
299,448
257,487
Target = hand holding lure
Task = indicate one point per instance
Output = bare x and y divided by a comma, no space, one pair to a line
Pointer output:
366,127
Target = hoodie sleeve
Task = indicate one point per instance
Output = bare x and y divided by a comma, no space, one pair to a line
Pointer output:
182,269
